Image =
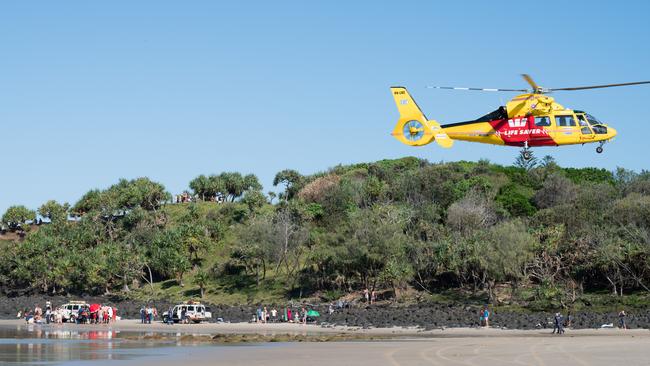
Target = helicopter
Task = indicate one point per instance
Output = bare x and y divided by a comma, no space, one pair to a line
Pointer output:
528,120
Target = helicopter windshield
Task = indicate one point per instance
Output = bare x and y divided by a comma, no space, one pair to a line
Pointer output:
598,127
593,120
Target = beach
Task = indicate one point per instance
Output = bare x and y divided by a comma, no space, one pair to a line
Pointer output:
284,344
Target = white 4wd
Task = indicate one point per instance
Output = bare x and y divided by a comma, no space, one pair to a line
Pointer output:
71,310
194,312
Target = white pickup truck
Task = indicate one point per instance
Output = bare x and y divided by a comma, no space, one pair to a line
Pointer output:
194,312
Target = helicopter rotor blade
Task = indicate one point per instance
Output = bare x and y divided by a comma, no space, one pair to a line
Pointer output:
600,86
530,81
476,89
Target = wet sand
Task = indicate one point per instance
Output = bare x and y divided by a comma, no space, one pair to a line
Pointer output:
130,325
618,349
392,346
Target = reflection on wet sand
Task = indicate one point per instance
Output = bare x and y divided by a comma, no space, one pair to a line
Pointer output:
35,343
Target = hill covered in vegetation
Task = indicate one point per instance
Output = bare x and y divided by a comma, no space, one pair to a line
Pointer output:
541,236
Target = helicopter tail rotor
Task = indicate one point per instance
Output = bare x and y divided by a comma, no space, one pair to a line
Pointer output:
413,128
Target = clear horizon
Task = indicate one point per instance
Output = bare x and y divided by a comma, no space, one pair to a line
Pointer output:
92,92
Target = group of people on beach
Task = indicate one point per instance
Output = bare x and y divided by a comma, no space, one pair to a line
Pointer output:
147,314
285,315
92,314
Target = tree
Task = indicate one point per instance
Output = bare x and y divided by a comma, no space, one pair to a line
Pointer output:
526,164
510,249
253,246
254,200
289,236
292,181
123,196
556,190
16,216
207,187
201,279
55,212
473,212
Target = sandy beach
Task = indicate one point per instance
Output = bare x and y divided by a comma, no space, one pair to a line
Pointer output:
626,350
394,346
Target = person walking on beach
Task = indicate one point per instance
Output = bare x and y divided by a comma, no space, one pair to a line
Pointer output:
557,324
621,319
366,295
142,314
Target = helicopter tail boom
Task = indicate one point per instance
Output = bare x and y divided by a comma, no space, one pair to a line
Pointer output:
413,128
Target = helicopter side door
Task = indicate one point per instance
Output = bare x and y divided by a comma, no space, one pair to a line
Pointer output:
566,130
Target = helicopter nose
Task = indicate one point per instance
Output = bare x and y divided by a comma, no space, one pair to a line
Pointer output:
611,132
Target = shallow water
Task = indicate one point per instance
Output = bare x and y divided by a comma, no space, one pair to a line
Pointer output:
49,345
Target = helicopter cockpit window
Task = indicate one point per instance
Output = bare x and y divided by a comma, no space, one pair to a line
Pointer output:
593,120
598,127
582,121
542,121
564,121
584,126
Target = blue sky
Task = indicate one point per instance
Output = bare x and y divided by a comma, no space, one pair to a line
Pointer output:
91,92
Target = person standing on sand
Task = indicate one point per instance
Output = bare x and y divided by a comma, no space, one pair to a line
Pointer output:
621,319
485,317
142,313
557,324
366,295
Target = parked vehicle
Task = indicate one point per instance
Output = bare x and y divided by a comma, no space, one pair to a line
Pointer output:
71,310
194,312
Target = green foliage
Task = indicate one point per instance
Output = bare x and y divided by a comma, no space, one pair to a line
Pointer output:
516,200
547,233
230,185
55,212
593,175
292,180
16,216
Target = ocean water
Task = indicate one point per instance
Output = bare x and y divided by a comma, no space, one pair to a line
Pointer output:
52,345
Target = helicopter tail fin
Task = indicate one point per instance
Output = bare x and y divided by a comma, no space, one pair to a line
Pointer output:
413,128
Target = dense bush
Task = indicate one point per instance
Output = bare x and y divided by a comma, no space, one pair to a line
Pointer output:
389,225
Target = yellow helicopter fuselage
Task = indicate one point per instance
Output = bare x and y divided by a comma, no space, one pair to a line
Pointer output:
527,120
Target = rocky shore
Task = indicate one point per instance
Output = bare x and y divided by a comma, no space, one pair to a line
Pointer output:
423,315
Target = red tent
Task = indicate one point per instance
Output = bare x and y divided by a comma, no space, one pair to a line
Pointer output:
94,307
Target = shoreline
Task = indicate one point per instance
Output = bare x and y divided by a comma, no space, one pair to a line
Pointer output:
275,329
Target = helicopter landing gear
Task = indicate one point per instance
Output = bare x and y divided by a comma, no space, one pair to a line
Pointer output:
525,152
599,149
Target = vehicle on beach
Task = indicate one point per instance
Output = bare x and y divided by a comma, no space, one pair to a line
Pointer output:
195,312
71,310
